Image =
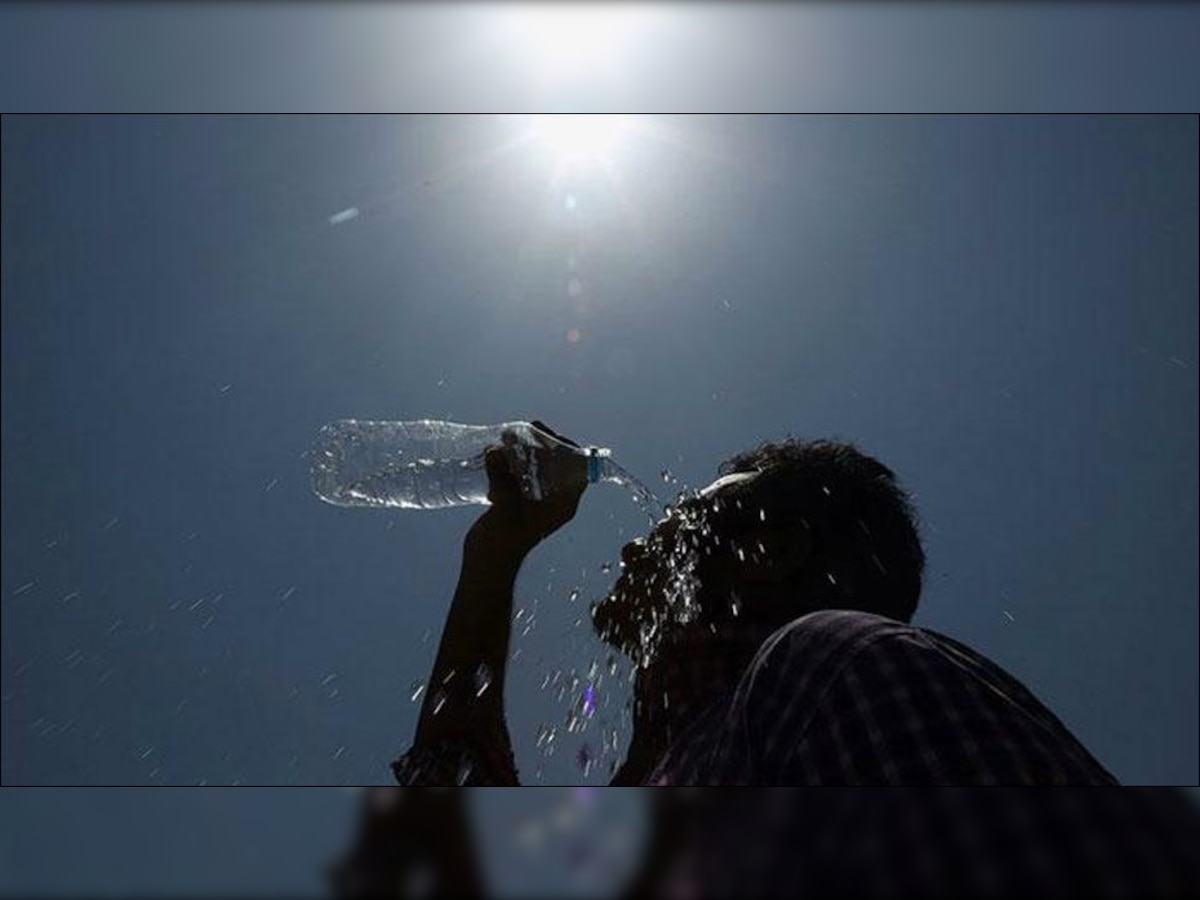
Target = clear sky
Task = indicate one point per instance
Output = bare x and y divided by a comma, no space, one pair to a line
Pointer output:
1002,309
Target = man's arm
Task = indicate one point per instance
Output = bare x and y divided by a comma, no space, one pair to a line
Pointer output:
462,722
464,700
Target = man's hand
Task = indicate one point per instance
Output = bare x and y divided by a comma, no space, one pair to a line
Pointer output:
516,519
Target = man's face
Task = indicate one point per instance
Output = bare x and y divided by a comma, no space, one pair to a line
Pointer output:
660,579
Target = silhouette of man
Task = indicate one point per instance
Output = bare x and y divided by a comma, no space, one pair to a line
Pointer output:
769,619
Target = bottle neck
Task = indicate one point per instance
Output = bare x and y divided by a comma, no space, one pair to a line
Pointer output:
599,464
594,465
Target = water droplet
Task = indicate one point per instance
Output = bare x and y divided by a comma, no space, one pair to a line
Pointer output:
417,689
439,701
574,595
589,700
735,607
762,515
606,567
483,679
464,772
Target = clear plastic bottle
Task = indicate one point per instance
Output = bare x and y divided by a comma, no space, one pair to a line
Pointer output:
432,465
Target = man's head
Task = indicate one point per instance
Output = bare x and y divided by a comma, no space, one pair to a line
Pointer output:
787,528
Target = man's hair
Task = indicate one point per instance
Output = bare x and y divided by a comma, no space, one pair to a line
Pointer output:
865,542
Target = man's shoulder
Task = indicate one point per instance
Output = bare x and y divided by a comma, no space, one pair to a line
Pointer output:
801,658
865,677
829,643
843,630
813,651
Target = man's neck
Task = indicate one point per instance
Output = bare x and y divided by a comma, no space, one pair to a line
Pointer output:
688,675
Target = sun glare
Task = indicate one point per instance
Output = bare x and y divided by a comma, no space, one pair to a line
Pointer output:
564,40
577,50
578,137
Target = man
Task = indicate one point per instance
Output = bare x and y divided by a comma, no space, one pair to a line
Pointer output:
769,616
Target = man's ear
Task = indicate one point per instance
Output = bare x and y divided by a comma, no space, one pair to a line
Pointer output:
774,554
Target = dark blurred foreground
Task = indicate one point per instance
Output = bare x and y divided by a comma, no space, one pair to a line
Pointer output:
270,842
998,841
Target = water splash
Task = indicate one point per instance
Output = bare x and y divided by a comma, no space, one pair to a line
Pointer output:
642,495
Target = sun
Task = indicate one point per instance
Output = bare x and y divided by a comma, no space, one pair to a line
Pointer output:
576,50
574,40
574,137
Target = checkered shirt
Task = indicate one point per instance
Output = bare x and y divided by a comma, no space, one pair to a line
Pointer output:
847,697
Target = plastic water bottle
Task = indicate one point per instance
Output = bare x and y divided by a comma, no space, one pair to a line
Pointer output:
432,465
